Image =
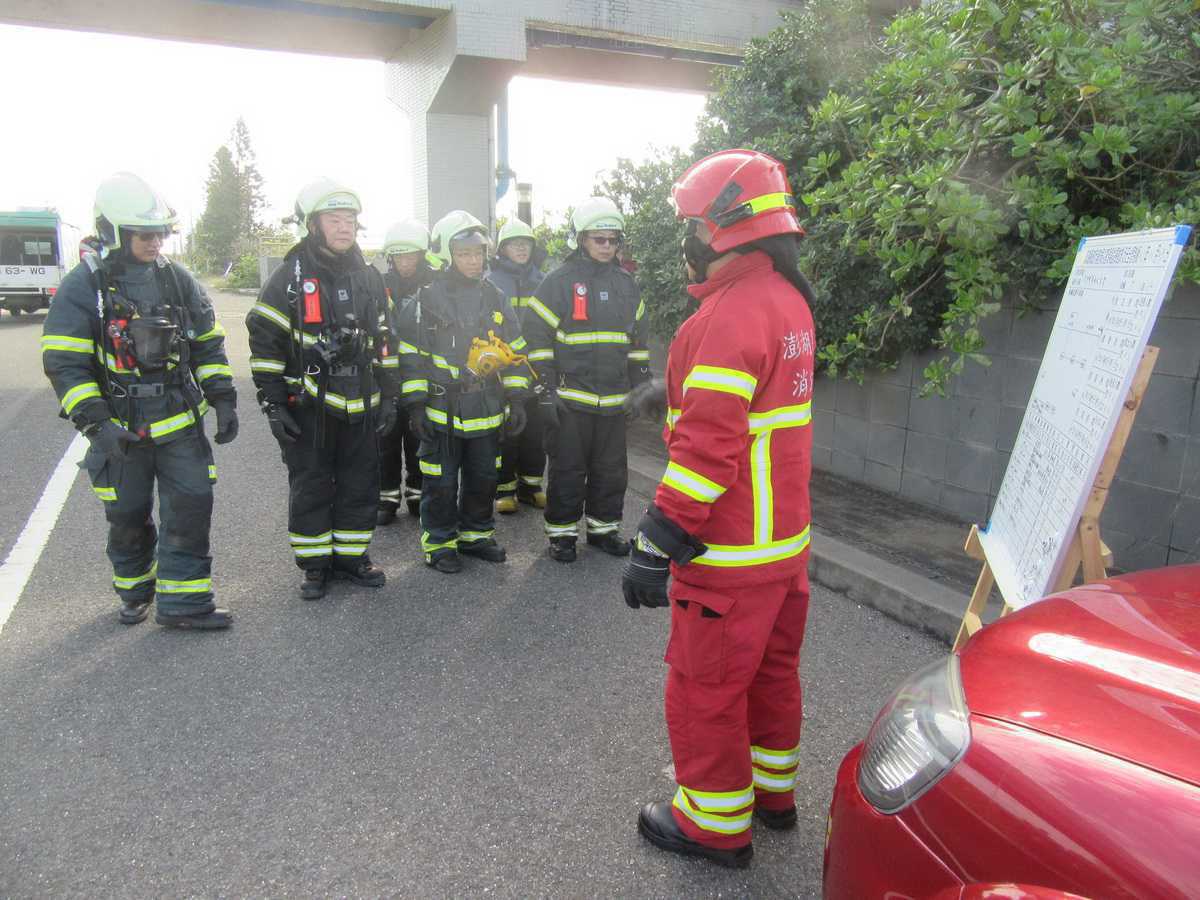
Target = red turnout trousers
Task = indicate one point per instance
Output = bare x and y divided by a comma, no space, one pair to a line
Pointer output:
733,703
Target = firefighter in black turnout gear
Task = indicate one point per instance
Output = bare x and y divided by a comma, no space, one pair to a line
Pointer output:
586,336
410,268
135,354
323,363
459,393
522,458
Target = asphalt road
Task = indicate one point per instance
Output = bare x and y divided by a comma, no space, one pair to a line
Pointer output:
491,733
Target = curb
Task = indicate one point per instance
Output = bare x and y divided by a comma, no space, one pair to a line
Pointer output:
860,577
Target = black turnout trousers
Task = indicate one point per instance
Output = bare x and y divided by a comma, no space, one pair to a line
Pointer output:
588,474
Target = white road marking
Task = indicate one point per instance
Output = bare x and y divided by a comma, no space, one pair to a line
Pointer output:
17,569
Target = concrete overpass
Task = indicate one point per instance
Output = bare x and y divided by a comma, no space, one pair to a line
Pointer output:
450,61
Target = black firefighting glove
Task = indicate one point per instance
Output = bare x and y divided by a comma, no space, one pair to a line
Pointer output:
227,420
283,424
658,543
647,401
517,419
644,578
386,418
111,439
420,424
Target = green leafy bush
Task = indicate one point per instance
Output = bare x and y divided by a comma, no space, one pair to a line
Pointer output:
953,162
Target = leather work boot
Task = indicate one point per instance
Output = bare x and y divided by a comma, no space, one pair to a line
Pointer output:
657,825
506,504
314,585
487,550
532,498
134,611
562,550
359,570
386,514
777,819
445,560
210,621
610,543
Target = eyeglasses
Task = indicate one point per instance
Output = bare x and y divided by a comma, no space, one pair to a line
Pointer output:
604,241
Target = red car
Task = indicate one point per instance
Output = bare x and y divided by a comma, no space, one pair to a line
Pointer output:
1057,754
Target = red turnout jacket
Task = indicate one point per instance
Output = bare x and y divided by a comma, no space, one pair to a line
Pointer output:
739,427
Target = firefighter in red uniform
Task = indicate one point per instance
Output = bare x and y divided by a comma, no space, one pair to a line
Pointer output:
730,519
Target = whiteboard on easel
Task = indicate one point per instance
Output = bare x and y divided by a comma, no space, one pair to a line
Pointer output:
1112,298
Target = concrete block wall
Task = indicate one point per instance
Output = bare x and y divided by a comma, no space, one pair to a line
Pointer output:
950,453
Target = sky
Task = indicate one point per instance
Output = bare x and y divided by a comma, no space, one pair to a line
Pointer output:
67,128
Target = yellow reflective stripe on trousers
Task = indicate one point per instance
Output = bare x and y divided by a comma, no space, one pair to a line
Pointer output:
306,546
760,481
66,343
691,484
195,586
716,378
76,395
208,371
271,314
129,583
429,547
416,385
212,473
217,331
429,468
163,427
544,312
781,417
566,530
732,555
107,494
704,809
776,759
592,337
263,364
470,537
591,399
775,770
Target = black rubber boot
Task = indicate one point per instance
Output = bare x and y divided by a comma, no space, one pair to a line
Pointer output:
445,560
316,582
386,514
210,621
134,611
359,570
562,550
487,550
610,543
777,819
657,825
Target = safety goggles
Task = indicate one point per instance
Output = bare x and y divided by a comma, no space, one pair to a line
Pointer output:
604,240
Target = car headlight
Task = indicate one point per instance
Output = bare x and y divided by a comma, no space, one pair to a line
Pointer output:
916,739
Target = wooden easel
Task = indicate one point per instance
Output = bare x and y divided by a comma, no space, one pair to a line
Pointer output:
1087,550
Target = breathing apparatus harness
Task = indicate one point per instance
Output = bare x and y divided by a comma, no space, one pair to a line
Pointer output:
142,343
340,345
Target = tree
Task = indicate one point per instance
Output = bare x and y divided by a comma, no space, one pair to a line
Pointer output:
230,225
220,226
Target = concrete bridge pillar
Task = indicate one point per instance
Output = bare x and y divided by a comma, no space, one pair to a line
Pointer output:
448,82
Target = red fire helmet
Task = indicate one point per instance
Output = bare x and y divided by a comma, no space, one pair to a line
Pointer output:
741,195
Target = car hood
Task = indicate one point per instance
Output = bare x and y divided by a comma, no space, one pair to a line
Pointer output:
1114,666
